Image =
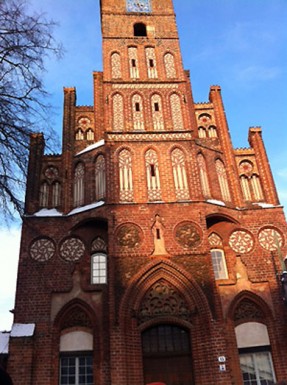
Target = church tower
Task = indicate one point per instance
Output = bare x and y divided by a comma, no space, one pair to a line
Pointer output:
151,250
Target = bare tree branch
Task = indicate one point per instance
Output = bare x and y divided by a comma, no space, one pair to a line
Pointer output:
25,43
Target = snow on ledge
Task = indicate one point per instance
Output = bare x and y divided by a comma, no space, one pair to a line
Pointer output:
85,208
100,143
22,330
48,213
264,205
215,202
4,343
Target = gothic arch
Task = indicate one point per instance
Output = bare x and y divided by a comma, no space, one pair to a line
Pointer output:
244,298
121,148
178,146
175,276
77,308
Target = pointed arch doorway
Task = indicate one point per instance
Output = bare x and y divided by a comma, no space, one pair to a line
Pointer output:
167,355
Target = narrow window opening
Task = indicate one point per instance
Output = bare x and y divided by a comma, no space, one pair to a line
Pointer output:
134,64
140,29
151,63
137,107
157,233
156,106
152,170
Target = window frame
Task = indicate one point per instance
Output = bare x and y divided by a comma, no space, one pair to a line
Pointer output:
97,267
76,356
216,263
253,352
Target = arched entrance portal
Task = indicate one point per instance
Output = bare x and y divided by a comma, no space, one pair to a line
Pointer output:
167,355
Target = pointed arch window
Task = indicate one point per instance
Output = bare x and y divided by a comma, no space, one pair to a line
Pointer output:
44,195
176,112
169,66
219,264
256,187
56,194
79,176
179,174
152,172
201,132
90,134
203,176
79,134
133,61
222,179
157,115
138,115
100,178
151,62
126,176
212,132
118,112
245,187
116,65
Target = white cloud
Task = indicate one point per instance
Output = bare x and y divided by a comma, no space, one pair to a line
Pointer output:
10,243
257,73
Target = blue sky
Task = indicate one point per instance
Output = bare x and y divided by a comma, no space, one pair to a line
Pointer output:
237,44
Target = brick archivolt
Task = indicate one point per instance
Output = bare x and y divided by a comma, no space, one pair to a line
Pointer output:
174,277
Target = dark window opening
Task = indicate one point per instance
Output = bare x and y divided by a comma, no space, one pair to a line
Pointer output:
156,106
140,29
151,63
137,106
134,64
157,233
152,170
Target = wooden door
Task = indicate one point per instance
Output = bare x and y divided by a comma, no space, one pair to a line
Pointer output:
167,355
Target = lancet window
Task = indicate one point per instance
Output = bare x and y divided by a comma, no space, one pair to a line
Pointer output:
133,61
203,176
151,62
118,112
176,112
116,65
157,115
179,174
222,179
138,115
79,134
169,65
79,177
152,173
44,195
126,176
56,194
90,134
100,178
245,187
256,187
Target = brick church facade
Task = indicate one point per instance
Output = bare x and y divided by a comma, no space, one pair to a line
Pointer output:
152,250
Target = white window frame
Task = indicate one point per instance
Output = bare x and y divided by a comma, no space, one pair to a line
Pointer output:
219,264
254,358
76,376
99,268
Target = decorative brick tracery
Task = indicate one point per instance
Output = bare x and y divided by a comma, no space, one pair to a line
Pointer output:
163,300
